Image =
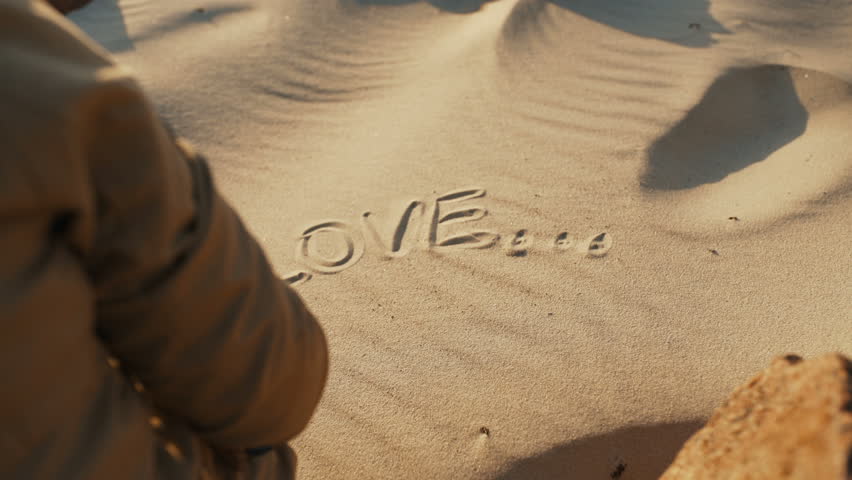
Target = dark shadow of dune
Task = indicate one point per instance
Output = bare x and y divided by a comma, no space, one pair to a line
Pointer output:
745,115
103,20
453,6
633,453
685,22
188,19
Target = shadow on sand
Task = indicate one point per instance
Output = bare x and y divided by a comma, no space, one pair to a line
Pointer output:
104,21
453,6
745,115
634,453
684,22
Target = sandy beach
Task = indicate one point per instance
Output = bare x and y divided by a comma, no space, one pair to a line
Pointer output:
545,238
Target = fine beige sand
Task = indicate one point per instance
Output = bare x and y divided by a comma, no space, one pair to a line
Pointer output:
545,238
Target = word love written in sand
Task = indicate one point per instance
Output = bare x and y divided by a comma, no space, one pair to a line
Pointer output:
447,209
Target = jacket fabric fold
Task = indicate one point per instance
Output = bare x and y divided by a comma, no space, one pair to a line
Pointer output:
143,327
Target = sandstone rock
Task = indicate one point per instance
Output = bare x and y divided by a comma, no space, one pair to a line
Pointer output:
792,421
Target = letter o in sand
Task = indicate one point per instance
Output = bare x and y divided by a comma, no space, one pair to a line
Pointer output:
343,258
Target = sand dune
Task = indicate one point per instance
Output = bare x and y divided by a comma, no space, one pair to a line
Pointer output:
587,222
748,147
745,116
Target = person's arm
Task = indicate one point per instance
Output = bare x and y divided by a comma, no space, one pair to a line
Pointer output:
186,299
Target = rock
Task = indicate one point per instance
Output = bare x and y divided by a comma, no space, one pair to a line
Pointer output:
792,421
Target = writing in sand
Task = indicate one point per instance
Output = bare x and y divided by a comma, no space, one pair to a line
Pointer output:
333,246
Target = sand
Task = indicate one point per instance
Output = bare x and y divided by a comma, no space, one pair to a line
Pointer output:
545,238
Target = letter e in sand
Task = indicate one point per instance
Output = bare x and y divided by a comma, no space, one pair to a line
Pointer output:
474,239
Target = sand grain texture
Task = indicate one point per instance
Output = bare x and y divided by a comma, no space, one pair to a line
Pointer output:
792,421
628,141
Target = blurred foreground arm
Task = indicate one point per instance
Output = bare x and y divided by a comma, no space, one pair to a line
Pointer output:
187,299
184,296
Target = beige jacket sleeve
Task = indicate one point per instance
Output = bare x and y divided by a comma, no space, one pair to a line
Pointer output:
184,296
